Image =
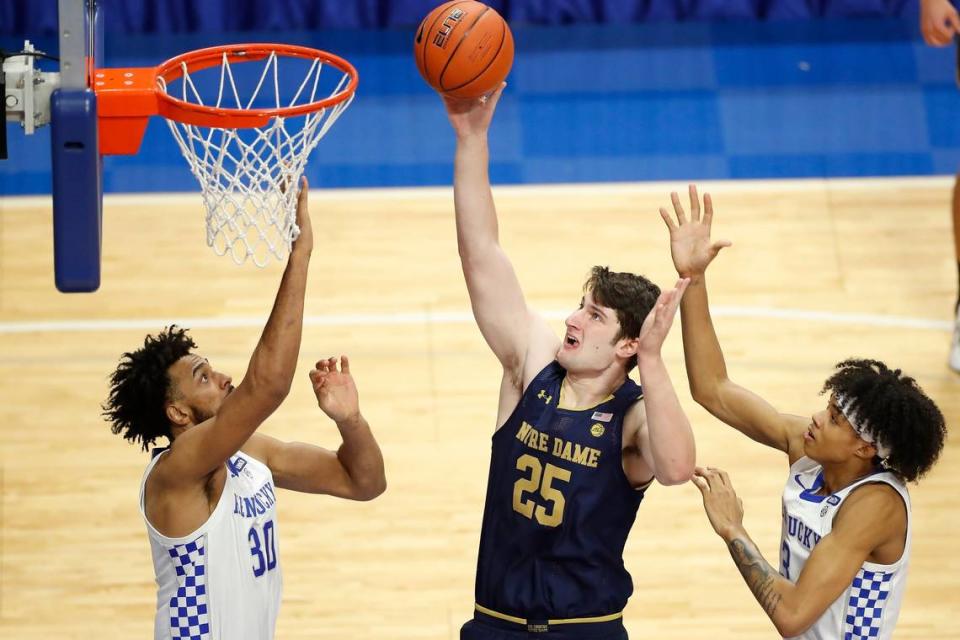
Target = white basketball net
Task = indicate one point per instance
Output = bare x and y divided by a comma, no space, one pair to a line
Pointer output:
250,178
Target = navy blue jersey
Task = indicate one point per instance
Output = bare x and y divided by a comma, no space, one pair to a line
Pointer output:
559,507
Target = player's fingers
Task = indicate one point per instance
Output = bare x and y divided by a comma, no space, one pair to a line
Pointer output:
682,285
707,209
494,96
954,19
701,484
725,477
720,244
694,203
715,477
302,196
678,208
671,225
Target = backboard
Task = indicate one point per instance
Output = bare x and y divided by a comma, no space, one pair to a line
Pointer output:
76,163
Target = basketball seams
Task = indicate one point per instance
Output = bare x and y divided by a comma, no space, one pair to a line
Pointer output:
429,30
457,48
503,40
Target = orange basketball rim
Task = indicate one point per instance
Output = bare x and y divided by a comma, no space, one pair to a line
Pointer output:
127,97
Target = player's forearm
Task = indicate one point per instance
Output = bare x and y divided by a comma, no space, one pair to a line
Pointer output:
776,595
476,213
672,446
274,360
706,369
362,459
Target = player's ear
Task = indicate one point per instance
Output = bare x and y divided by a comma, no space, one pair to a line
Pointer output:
628,347
177,415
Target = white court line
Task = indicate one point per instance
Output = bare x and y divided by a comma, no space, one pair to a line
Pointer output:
883,183
449,317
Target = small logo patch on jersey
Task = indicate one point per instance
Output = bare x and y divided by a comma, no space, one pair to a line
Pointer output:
597,430
236,465
602,417
543,396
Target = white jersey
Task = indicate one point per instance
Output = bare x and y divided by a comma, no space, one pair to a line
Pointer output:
223,581
868,608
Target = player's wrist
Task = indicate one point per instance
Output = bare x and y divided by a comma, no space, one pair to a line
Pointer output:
351,421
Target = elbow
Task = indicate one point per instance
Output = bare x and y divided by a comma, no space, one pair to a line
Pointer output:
675,474
790,627
371,490
791,621
704,395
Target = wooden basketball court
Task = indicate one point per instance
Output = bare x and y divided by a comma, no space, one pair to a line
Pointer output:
819,271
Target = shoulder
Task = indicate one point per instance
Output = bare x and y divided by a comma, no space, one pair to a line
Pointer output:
262,447
873,513
795,427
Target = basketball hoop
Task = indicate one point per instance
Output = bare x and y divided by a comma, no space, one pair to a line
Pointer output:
246,141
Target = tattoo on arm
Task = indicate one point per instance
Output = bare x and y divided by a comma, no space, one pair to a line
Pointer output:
759,575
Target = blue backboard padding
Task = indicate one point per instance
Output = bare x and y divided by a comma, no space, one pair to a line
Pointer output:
77,202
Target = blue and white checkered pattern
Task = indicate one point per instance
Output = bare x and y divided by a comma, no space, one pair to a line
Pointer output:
865,607
189,616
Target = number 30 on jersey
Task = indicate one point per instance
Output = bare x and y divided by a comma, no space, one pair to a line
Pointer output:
263,548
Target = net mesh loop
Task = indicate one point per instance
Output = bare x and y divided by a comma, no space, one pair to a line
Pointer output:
246,174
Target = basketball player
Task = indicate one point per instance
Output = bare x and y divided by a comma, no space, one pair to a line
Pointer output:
577,441
209,499
940,25
846,531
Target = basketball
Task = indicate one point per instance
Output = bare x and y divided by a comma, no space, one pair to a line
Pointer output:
464,49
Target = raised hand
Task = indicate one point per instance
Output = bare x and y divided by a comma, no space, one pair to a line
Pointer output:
335,390
657,324
304,241
939,22
690,244
724,509
471,117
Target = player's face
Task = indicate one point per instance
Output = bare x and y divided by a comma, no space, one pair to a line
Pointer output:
830,437
588,344
202,390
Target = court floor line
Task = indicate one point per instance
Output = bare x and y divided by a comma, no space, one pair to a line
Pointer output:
877,184
449,317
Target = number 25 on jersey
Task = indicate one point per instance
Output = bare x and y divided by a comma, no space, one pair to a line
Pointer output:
542,478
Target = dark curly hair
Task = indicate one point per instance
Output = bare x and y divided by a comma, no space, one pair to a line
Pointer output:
140,387
899,413
631,296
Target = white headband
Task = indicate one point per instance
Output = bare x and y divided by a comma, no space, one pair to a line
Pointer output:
862,427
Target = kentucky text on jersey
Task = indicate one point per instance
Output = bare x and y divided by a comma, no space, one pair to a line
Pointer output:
560,448
806,536
255,505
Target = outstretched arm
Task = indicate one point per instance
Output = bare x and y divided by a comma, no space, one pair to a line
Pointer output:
665,438
355,470
499,307
692,252
204,447
869,518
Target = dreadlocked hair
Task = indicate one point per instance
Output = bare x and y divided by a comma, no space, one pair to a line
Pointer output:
631,296
899,414
140,387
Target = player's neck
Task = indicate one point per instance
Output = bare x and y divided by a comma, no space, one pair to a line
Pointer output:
838,476
587,390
